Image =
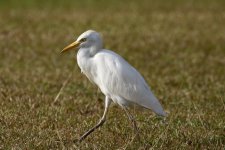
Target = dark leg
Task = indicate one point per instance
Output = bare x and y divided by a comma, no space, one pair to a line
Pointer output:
101,121
131,118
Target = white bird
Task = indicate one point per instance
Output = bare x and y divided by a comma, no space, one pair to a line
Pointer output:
116,78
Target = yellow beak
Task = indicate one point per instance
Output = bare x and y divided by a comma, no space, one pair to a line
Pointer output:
69,47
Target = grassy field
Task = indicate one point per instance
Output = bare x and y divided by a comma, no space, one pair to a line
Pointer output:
178,46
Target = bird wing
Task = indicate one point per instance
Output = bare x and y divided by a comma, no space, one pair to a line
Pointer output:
117,77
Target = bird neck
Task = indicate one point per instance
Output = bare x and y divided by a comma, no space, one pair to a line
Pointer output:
88,52
84,60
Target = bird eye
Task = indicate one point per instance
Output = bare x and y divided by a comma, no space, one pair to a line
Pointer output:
83,40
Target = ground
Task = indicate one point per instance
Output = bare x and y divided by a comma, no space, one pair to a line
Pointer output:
178,46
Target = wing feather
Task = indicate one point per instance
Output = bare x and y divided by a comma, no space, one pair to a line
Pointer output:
116,76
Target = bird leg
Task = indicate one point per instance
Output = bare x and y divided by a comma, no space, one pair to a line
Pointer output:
131,118
101,121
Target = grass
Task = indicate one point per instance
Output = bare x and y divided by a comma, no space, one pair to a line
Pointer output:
178,46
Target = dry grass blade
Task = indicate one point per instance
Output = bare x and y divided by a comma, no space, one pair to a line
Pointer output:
60,139
62,87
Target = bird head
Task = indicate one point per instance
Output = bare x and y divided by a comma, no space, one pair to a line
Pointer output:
88,39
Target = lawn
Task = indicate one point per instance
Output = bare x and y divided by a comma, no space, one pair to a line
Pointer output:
178,46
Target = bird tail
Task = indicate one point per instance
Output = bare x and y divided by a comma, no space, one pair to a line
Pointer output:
158,109
161,113
154,104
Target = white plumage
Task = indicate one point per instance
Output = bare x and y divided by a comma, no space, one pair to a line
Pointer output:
116,78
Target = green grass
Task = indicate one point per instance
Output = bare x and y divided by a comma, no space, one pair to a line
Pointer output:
178,46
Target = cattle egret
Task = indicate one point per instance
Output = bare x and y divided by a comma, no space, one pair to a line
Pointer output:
115,77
